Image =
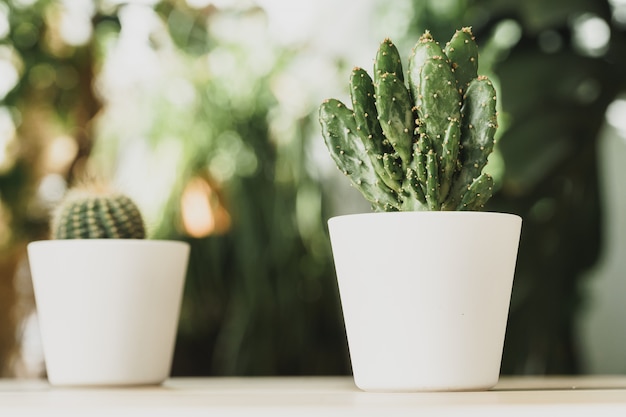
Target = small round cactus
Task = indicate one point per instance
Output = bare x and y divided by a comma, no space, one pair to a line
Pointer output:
95,213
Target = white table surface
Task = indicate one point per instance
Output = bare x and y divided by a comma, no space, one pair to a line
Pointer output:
593,396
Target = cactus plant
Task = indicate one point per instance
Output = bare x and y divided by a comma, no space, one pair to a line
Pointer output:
93,212
423,146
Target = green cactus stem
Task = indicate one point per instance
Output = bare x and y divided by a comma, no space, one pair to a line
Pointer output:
414,190
388,60
421,146
393,101
420,163
91,213
425,48
369,130
463,54
440,114
350,154
433,187
477,193
396,115
479,127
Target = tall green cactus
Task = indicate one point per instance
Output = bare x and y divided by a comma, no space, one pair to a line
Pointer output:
93,213
421,146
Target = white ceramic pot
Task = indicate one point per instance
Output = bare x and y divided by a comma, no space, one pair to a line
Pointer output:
425,296
108,309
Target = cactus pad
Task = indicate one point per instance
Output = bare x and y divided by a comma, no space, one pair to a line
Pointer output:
421,145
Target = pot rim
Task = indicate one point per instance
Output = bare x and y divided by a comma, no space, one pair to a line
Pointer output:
107,242
425,213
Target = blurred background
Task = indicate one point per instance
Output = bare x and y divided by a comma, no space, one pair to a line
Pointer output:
205,112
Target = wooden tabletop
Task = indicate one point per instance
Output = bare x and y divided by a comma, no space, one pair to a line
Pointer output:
593,396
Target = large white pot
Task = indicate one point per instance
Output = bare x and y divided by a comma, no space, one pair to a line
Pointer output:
108,309
425,296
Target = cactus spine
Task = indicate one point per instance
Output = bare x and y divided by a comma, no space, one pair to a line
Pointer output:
93,213
421,146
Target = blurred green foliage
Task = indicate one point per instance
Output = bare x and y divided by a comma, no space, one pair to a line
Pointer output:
202,121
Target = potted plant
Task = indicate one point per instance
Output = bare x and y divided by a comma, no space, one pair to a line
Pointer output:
424,281
107,299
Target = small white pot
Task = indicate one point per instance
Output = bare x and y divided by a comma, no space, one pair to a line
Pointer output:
425,296
108,309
